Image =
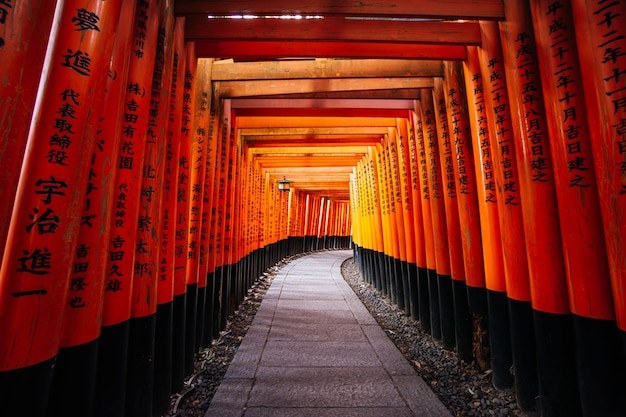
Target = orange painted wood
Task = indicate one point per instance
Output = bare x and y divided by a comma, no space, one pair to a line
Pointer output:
41,243
485,174
584,246
478,9
605,92
174,151
197,165
418,224
406,185
183,184
200,28
465,174
504,163
149,234
22,52
396,193
448,181
270,50
436,188
88,278
425,190
536,178
123,247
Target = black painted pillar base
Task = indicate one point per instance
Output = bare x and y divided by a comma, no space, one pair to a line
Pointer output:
481,345
163,358
25,391
556,365
406,293
208,311
446,312
462,321
600,367
500,340
413,292
200,317
216,290
424,299
398,277
112,370
73,383
433,299
178,341
140,378
524,357
190,327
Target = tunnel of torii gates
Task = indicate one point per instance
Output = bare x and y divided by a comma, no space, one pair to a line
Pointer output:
471,153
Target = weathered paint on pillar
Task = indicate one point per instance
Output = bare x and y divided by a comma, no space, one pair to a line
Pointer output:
600,36
42,235
548,284
22,53
498,316
586,261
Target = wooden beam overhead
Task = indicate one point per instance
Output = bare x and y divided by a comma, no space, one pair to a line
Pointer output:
252,122
432,9
234,89
228,70
313,131
394,94
200,28
266,50
246,106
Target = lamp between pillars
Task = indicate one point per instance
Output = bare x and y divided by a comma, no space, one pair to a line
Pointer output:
283,185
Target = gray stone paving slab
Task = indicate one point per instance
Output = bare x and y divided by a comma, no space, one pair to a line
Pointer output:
314,350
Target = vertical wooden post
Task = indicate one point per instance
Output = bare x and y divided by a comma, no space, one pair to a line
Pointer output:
400,267
73,385
114,340
183,193
418,223
600,41
510,214
590,295
197,166
439,285
469,219
462,321
142,360
498,315
425,307
22,52
41,239
164,335
550,306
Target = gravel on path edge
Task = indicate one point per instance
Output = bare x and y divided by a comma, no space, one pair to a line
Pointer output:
462,387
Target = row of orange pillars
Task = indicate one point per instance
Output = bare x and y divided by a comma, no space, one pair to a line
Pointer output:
495,214
133,220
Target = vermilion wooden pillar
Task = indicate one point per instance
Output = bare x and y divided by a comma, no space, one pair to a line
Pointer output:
114,340
550,307
197,166
418,224
164,335
73,386
439,284
588,272
22,51
467,197
434,132
143,369
510,214
181,217
41,242
462,318
399,259
600,40
498,315
406,182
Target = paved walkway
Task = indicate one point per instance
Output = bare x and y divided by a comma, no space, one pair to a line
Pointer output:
313,350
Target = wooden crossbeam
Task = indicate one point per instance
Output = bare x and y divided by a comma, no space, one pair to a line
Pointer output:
266,50
201,28
433,9
228,70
